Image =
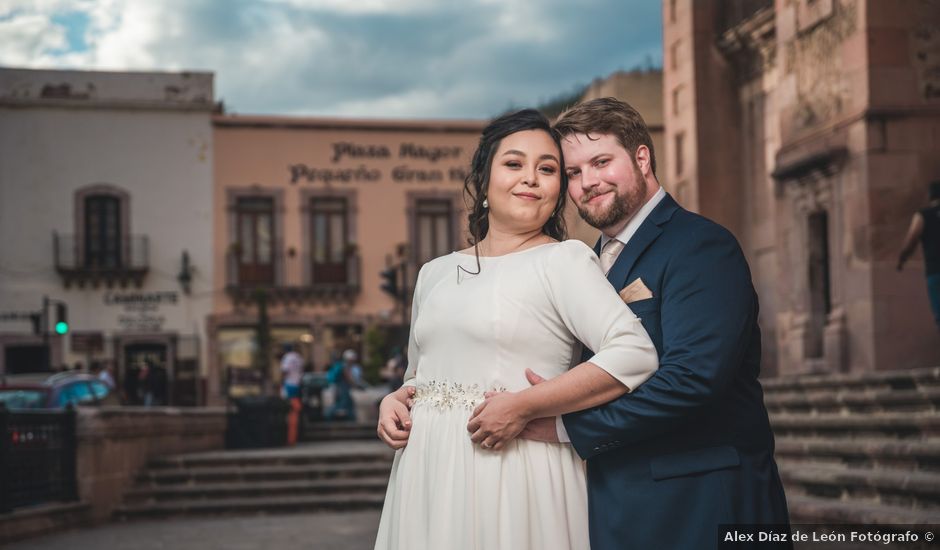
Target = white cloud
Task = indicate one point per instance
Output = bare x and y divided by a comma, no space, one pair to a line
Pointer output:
376,58
25,40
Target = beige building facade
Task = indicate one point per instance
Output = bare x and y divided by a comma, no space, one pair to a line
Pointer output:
810,129
309,213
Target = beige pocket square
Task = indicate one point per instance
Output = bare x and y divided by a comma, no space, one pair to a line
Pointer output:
635,292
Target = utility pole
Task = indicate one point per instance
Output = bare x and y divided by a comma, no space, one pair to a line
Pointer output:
44,319
61,326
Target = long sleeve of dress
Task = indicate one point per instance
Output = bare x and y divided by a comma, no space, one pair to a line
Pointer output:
597,316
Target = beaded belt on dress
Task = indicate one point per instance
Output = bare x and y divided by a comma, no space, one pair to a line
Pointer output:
450,395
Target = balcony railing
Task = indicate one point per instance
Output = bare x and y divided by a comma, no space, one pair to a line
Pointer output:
127,261
291,277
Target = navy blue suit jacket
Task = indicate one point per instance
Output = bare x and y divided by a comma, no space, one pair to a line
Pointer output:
691,448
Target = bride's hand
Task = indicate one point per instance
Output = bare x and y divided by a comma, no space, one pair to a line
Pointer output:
496,421
395,417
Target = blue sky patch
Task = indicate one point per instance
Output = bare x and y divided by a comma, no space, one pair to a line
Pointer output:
76,25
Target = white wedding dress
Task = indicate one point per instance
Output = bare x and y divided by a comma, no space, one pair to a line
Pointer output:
473,333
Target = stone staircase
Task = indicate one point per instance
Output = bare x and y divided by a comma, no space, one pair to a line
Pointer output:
861,449
338,431
333,475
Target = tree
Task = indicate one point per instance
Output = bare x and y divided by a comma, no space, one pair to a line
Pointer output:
263,342
376,344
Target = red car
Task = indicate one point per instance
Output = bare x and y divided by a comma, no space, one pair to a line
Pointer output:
56,391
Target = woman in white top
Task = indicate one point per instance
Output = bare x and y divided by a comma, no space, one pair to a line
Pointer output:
518,298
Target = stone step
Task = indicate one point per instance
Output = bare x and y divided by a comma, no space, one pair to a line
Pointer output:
253,505
814,510
896,425
244,459
907,379
866,452
849,401
221,491
336,436
339,431
166,476
914,490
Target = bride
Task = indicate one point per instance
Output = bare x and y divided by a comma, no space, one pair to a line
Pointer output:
521,296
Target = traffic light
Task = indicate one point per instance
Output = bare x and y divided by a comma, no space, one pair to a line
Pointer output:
61,319
390,281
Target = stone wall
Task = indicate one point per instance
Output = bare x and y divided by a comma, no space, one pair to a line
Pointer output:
114,443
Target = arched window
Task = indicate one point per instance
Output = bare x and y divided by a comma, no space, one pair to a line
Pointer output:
102,248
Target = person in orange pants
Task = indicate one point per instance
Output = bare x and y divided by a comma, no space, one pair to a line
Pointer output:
292,368
293,420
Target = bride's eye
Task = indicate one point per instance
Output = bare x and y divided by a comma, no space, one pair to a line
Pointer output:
548,170
513,164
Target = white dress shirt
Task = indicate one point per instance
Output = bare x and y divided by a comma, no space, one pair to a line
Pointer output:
624,236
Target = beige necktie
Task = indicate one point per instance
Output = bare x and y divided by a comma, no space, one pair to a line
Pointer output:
609,254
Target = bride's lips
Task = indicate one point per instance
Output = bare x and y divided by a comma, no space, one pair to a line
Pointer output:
527,196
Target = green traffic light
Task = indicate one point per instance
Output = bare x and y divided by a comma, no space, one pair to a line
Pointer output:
61,327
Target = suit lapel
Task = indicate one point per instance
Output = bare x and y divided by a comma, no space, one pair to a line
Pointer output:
648,231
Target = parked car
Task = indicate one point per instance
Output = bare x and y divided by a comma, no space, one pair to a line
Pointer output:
56,391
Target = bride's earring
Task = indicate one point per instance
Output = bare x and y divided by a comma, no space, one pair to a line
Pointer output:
486,203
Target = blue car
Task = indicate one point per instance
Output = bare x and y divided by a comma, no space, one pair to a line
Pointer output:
56,391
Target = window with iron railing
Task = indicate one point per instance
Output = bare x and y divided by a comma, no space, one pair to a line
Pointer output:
254,251
329,234
434,222
102,232
101,250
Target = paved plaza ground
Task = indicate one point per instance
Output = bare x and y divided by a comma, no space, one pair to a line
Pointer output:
319,531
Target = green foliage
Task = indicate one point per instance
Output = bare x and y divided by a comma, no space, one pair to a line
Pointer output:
374,354
262,358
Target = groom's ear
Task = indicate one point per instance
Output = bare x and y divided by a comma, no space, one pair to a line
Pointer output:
643,160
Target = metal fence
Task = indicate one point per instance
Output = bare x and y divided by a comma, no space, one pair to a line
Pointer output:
128,253
37,457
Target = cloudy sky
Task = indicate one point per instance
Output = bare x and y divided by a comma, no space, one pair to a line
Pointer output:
370,58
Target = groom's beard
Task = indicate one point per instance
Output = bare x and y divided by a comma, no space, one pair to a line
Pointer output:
623,206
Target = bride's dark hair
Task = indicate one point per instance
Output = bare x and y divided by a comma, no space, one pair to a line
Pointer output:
477,183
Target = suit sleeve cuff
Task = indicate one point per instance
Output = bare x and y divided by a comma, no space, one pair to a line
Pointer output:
562,432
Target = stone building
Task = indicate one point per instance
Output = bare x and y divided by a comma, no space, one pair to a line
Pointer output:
106,208
810,128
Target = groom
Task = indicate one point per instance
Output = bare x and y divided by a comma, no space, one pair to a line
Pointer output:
691,448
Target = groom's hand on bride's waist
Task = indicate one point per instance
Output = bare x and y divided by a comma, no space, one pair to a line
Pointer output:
395,418
541,429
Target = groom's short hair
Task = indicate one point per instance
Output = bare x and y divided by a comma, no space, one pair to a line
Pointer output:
608,115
